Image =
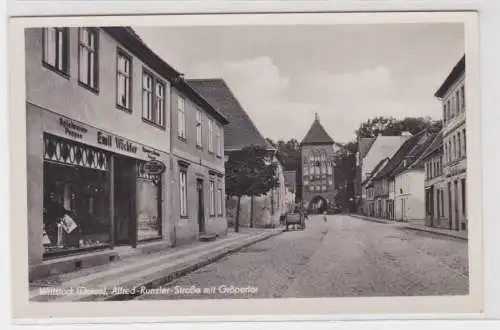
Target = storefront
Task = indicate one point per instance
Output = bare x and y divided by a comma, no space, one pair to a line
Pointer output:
99,189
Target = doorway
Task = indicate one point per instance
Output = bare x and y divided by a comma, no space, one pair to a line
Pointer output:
450,213
457,214
124,201
201,206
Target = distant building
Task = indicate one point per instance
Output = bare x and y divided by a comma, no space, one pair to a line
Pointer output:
290,180
364,145
318,151
435,185
241,132
382,147
452,95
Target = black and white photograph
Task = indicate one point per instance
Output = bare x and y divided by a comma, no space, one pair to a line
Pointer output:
241,161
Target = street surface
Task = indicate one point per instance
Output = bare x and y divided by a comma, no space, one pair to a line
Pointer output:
344,257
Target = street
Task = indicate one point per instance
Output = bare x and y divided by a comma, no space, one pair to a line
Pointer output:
345,256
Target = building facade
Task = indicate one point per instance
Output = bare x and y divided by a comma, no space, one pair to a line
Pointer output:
241,132
318,153
98,107
435,187
453,98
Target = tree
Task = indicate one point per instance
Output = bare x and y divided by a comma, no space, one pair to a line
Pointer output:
248,174
391,126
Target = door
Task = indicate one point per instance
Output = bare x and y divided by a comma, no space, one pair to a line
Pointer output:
457,214
450,214
124,198
201,207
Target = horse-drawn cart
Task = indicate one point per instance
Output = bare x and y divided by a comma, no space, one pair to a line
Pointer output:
295,219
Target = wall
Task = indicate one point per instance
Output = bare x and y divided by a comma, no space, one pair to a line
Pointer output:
202,162
413,193
49,93
50,90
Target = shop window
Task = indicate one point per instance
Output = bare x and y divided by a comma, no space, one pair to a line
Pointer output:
76,212
56,49
88,58
123,75
148,194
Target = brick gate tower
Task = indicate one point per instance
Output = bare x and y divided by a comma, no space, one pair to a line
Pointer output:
318,168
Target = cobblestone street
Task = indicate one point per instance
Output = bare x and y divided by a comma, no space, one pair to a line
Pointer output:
344,257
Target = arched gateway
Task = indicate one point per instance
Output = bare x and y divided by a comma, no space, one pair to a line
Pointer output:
318,169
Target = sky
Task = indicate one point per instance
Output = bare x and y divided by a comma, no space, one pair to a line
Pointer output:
283,75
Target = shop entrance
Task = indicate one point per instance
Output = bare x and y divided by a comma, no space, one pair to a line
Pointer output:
201,207
124,201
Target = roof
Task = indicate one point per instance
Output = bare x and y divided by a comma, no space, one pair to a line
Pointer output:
130,40
415,154
435,145
317,135
364,145
458,70
375,170
241,131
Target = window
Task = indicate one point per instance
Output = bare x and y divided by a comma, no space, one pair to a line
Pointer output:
153,99
306,171
218,140
56,49
123,75
449,151
219,200
306,182
465,145
198,128
445,153
88,58
464,198
444,113
212,198
462,94
454,147
183,191
181,118
450,114
457,102
459,145
442,203
210,135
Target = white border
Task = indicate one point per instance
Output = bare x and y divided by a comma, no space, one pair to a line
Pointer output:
473,125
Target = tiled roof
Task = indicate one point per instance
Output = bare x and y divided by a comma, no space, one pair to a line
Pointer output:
433,146
414,154
457,70
399,156
317,135
375,171
364,145
241,131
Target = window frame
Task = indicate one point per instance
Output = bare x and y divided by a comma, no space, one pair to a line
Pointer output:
220,206
183,195
218,140
182,110
95,51
199,128
65,71
155,82
210,123
121,53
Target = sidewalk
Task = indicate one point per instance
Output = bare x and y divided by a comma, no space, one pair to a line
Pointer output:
125,278
438,231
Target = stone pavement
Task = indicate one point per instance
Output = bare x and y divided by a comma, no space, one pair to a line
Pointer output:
126,278
438,231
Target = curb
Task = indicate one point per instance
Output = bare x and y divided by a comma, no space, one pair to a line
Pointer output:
436,233
168,275
409,227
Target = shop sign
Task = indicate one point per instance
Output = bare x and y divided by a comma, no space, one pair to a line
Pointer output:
119,143
72,129
154,167
152,154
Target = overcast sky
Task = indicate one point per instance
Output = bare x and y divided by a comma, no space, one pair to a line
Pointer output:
346,73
